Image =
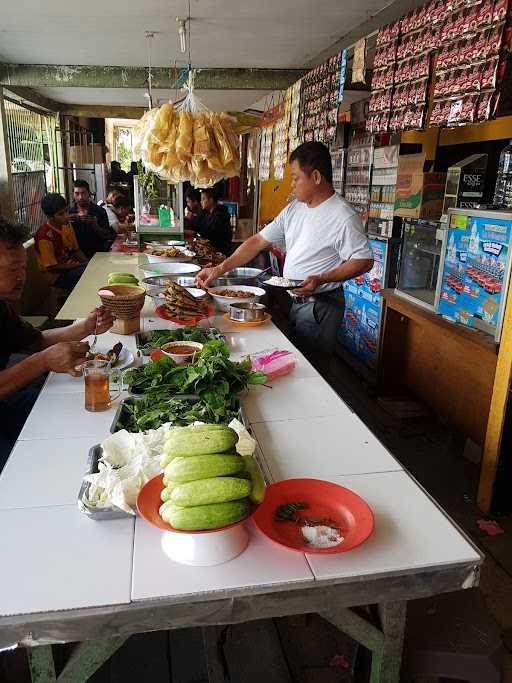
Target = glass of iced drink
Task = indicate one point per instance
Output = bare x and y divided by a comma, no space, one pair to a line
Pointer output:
97,376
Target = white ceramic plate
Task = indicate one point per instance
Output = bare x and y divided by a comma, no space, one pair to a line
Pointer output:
223,302
126,358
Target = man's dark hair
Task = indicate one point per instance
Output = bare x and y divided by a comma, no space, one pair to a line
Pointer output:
82,183
12,234
122,202
210,192
193,194
52,203
313,156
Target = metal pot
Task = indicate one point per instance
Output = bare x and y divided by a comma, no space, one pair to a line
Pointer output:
247,312
238,276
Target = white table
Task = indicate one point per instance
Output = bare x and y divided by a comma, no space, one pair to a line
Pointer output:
64,577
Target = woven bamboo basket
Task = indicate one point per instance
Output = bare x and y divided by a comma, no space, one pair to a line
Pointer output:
127,301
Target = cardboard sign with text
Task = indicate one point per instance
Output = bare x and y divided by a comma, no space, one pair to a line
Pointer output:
418,194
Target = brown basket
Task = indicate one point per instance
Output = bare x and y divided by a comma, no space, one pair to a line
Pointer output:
127,301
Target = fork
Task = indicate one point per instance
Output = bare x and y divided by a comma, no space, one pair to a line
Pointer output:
91,347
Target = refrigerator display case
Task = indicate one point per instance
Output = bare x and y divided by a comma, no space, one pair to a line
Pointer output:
383,190
338,170
360,333
161,213
419,278
476,269
358,173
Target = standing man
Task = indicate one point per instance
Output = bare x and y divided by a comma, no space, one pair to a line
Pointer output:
59,350
213,222
325,245
89,221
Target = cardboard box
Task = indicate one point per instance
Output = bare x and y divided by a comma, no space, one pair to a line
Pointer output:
418,194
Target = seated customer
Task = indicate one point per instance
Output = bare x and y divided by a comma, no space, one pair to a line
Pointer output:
193,200
89,221
109,199
118,212
59,350
213,222
58,253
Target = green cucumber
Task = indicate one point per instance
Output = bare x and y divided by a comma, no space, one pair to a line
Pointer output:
258,487
213,490
181,470
202,517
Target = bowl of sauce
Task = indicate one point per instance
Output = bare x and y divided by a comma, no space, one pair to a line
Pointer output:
182,352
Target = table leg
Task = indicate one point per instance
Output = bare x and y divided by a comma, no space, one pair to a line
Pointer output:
40,662
385,643
387,663
85,660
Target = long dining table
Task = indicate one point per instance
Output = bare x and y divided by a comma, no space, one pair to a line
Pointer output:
66,578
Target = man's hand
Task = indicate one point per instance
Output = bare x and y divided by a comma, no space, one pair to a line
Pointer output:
105,321
308,286
65,357
206,276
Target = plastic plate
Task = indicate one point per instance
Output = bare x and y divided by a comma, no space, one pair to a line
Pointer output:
325,500
149,502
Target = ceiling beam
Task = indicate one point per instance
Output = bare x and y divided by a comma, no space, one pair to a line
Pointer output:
30,97
391,12
101,111
79,76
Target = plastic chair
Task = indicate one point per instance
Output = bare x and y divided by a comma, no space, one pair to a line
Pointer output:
452,636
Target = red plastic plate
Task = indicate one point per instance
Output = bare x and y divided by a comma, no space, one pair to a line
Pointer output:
162,312
149,502
325,500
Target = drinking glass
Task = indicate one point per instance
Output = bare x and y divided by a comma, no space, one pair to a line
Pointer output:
97,377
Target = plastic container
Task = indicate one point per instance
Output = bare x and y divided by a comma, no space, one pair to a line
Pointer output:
273,362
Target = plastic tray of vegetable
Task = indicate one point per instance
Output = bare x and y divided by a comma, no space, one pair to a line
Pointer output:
85,499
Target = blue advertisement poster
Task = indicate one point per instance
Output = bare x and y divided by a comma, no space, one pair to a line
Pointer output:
477,253
360,332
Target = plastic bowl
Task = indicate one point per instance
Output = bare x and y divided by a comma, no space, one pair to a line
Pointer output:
174,270
181,358
224,302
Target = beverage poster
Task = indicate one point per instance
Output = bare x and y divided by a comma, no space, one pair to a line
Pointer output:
475,267
360,332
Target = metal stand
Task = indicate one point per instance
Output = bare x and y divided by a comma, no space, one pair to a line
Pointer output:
385,642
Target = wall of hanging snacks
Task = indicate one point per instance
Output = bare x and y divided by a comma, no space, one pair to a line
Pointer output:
280,152
293,96
265,152
469,39
358,172
320,99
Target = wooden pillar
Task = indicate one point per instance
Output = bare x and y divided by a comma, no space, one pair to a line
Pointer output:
497,412
6,198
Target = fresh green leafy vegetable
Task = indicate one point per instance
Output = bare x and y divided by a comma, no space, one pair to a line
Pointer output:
213,378
144,413
157,338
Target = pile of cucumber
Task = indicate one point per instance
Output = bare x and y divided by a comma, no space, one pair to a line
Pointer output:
122,279
207,485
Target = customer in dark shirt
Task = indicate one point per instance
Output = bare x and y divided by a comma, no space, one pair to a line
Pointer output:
59,350
193,208
89,221
213,222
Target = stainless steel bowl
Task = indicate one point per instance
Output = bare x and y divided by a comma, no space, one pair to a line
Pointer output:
247,312
186,281
156,284
238,276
